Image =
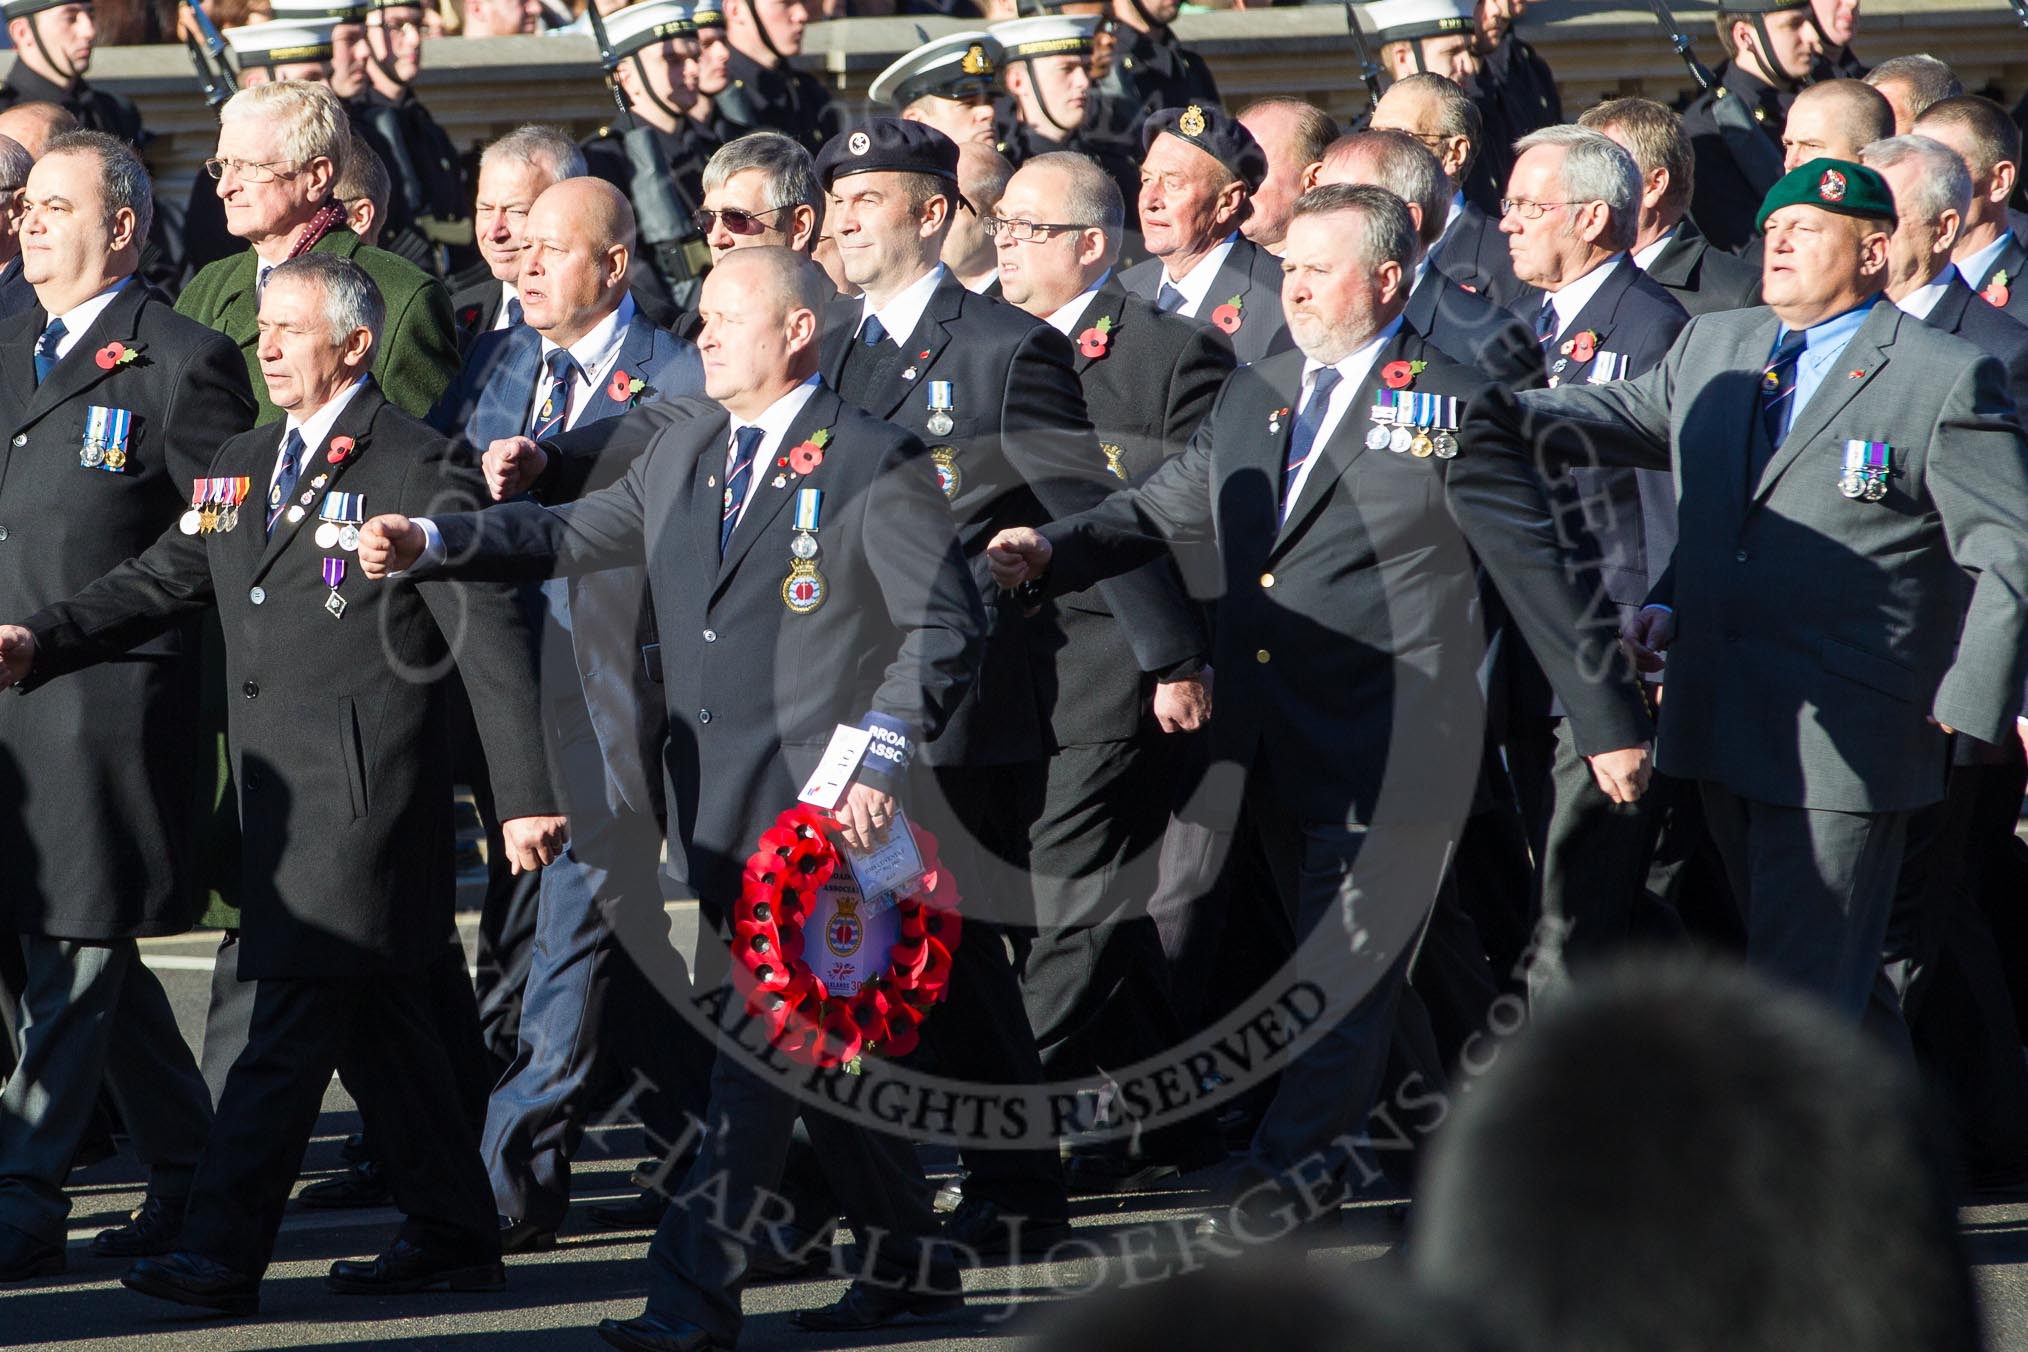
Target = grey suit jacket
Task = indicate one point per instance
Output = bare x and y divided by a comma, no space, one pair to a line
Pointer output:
1817,634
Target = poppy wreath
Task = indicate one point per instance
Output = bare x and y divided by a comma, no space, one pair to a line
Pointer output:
804,1020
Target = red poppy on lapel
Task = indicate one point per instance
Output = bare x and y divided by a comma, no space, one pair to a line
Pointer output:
1227,316
115,354
341,447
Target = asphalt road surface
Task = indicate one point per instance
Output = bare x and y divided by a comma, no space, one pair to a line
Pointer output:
553,1299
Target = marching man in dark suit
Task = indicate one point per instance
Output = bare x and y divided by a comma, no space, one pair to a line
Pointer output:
1571,211
1842,469
1347,514
897,636
1197,177
585,354
111,404
337,743
1991,257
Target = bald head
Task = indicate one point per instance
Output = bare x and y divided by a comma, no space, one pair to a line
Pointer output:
762,308
576,247
1837,118
30,125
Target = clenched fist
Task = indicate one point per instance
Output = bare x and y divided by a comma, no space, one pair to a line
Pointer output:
17,654
533,841
512,466
389,544
1646,635
1016,555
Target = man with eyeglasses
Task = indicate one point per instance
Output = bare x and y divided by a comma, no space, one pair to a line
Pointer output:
53,42
1093,977
946,83
1470,250
279,148
603,718
764,90
16,294
427,220
1047,72
1571,214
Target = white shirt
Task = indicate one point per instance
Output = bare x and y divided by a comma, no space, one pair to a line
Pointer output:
1571,300
1197,285
1354,370
314,428
79,318
1064,318
595,354
1975,268
904,310
774,425
1923,299
977,288
501,318
1645,258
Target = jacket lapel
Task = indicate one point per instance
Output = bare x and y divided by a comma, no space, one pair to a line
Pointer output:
707,504
79,370
1346,443
355,422
1597,315
1948,313
17,360
767,501
637,351
923,347
1864,357
503,402
1110,303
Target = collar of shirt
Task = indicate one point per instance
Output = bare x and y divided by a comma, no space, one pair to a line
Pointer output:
1198,284
774,425
1979,264
317,426
501,320
904,311
1571,300
1354,368
1065,317
1823,344
595,354
1645,258
1923,299
79,318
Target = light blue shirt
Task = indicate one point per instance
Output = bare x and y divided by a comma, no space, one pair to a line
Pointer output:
1823,344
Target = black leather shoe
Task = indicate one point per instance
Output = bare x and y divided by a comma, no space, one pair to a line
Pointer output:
865,1306
150,1231
641,1213
364,1184
523,1237
192,1279
355,1148
23,1257
1103,1175
807,1257
990,1232
646,1333
407,1267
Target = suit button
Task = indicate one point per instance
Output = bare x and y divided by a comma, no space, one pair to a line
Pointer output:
1262,656
251,689
704,715
20,439
711,636
257,595
3,534
1740,557
1267,579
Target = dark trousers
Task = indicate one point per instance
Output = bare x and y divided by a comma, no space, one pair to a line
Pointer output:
276,1089
92,1015
1815,889
981,817
1359,898
13,981
507,915
723,1210
1593,855
601,909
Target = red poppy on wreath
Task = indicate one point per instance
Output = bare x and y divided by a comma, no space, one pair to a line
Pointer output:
804,1019
1092,342
805,458
1581,348
1397,375
340,448
625,387
1996,292
115,354
1227,316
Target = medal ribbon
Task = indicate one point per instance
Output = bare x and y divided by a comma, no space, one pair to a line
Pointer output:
346,509
237,489
809,504
940,396
334,573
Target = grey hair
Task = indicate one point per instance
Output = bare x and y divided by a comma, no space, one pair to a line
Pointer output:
1405,167
351,300
1596,168
1388,233
15,162
123,179
1091,198
311,121
790,171
540,146
1457,115
1929,80
1944,184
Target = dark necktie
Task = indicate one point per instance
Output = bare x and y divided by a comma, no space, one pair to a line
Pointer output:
1778,388
873,333
554,413
286,474
746,445
45,350
513,310
261,282
1169,299
1303,440
1545,324
865,366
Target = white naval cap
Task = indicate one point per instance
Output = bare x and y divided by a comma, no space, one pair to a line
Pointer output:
954,66
1049,35
1406,20
647,25
280,43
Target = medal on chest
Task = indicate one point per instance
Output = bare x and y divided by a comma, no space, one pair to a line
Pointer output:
805,589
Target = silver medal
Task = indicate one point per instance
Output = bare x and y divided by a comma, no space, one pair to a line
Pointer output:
348,537
803,545
1876,489
327,535
940,424
92,456
1376,438
1852,486
1446,446
190,521
1400,440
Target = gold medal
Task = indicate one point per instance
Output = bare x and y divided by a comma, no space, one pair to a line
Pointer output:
946,458
804,589
1423,447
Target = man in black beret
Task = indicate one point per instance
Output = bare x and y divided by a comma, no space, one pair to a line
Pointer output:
1197,179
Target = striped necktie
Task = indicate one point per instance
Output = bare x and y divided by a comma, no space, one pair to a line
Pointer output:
1778,388
1169,299
1303,439
746,444
554,414
286,473
45,350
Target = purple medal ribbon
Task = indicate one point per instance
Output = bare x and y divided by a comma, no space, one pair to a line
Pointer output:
334,573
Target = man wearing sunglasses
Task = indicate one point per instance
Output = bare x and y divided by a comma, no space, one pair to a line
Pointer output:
427,221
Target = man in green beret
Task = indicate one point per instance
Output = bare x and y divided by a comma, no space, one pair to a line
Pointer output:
1846,588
